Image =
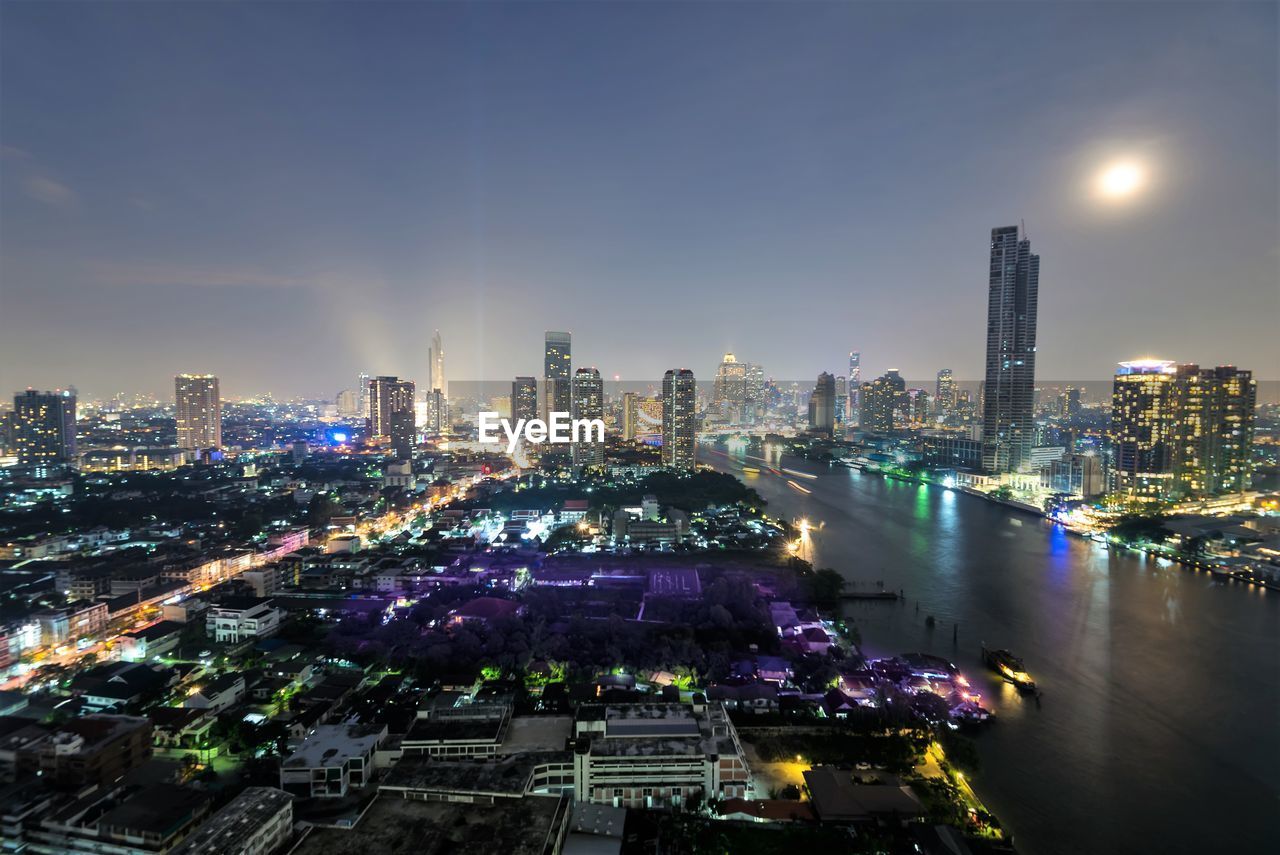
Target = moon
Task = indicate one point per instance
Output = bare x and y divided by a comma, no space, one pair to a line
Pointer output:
1121,180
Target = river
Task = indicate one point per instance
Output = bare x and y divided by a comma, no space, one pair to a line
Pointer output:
1159,725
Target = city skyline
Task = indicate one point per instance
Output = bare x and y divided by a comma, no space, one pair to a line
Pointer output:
1153,196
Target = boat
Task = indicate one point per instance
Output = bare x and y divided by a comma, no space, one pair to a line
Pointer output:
1009,667
751,469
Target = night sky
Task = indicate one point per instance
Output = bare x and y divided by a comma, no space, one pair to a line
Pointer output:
286,194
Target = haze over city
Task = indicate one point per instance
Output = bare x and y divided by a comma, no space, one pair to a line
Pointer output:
287,199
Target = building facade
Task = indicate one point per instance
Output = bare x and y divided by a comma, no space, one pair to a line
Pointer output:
198,409
44,428
679,419
1008,407
588,403
557,374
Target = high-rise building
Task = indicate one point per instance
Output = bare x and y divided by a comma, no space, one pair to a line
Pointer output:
754,405
557,373
435,355
1008,425
524,398
1071,403
348,402
879,399
44,427
822,405
588,403
729,393
198,410
629,416
1180,431
435,413
362,395
679,419
855,387
389,395
945,393
842,400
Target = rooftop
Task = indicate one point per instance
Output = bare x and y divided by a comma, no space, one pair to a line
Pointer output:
334,744
395,826
226,831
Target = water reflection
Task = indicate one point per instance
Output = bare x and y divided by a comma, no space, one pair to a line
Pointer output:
1142,665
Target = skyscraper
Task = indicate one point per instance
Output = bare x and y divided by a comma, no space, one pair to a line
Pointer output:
822,405
436,413
679,419
1180,431
44,427
880,399
945,394
855,387
198,410
730,390
348,403
1071,403
1008,428
524,398
557,374
588,403
389,395
362,395
435,355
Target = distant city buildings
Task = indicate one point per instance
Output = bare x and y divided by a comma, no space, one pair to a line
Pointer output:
435,377
524,398
391,413
435,413
557,372
44,428
1180,431
588,403
1008,410
879,400
822,405
679,419
855,387
945,393
198,410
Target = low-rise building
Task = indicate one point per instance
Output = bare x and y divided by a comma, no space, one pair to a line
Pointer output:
259,821
332,760
237,619
654,755
218,694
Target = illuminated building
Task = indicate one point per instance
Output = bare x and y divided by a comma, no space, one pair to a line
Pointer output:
198,411
435,373
879,399
1181,431
1008,426
945,393
44,427
1142,428
753,403
730,390
126,459
362,395
524,398
679,419
556,374
822,405
855,387
1071,403
391,415
842,399
436,413
588,403
641,417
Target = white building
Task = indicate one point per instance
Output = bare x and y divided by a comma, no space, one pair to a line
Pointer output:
238,619
653,755
332,760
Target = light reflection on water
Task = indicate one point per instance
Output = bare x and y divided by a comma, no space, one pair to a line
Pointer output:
1157,680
